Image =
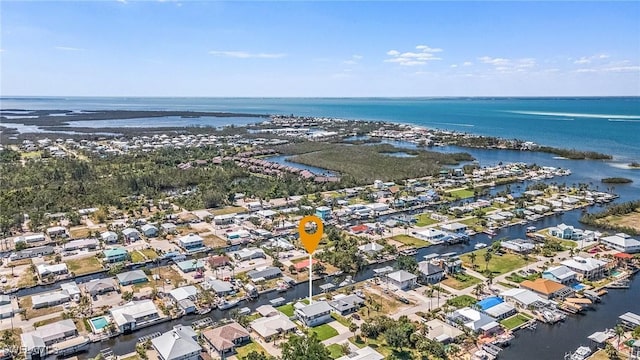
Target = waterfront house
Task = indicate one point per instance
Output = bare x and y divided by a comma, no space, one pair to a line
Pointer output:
169,228
402,279
524,299
31,239
35,344
57,231
323,212
430,273
31,253
134,315
432,235
249,254
496,308
621,242
474,320
566,232
272,326
131,234
220,287
346,304
634,352
116,254
191,242
314,314
45,270
266,273
217,261
560,274
518,246
149,230
629,320
365,353
49,299
109,237
188,266
185,292
454,227
371,248
548,289
132,277
80,244
587,268
442,332
180,343
225,338
225,219
99,286
238,237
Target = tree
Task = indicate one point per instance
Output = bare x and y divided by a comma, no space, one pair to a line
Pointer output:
487,258
619,331
304,347
478,289
612,353
254,355
472,257
353,327
407,263
21,245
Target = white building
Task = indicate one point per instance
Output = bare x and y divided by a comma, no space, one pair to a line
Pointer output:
622,242
180,343
56,269
402,279
134,314
587,268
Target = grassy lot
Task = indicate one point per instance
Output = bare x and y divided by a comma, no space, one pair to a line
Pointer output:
286,309
460,281
243,351
37,324
213,241
27,278
335,350
137,257
411,241
149,253
229,210
30,313
499,264
31,155
425,220
79,232
324,332
631,220
514,321
517,278
462,301
461,193
341,319
381,346
21,262
473,223
254,316
169,273
84,265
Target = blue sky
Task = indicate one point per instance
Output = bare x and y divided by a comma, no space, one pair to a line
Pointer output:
188,48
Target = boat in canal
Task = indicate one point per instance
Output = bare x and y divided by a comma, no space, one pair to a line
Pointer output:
479,246
581,353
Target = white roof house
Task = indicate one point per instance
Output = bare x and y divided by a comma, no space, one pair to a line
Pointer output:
134,313
561,274
402,279
588,268
371,247
365,353
524,298
441,331
432,235
473,319
56,269
178,343
48,334
622,242
184,292
267,327
109,236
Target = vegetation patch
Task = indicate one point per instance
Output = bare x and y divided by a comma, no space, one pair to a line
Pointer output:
324,331
425,220
149,253
514,321
624,217
335,350
228,210
499,263
245,350
136,256
411,241
214,241
461,193
460,281
462,301
26,304
286,309
84,266
616,180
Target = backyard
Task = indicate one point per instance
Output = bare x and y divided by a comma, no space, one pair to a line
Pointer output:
411,241
244,350
425,220
514,321
461,193
229,210
30,313
324,331
499,263
84,266
335,350
460,281
462,301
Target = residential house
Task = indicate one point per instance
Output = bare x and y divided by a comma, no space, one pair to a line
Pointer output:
225,219
109,237
180,343
566,232
432,235
188,266
270,327
365,353
35,344
80,244
169,228
149,230
561,274
323,212
621,242
134,314
402,279
474,320
314,314
132,277
454,227
518,246
634,352
116,254
267,273
249,254
185,292
131,234
430,273
217,261
31,253
99,286
57,231
496,308
191,242
225,338
548,289
587,268
629,320
442,332
346,304
220,287
371,248
31,239
45,270
49,299
524,299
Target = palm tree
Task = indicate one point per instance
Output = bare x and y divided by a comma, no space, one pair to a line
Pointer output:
487,258
478,289
472,257
619,331
490,278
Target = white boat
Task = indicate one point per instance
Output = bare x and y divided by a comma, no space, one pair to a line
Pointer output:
480,246
223,305
581,353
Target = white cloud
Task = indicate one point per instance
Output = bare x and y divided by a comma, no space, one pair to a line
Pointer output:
353,60
505,65
467,63
122,1
453,65
421,57
246,55
494,61
68,48
589,59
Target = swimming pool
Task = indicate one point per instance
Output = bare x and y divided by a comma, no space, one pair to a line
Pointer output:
578,287
616,273
99,323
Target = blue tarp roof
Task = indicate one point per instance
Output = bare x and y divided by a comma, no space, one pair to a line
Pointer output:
489,302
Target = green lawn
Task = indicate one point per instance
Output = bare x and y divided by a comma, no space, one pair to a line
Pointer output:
253,316
514,321
499,264
137,257
286,309
411,241
84,265
341,319
244,350
335,350
460,281
324,332
461,193
462,301
517,278
229,210
425,220
473,223
149,253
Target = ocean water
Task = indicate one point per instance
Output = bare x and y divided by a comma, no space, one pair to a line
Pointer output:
609,125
